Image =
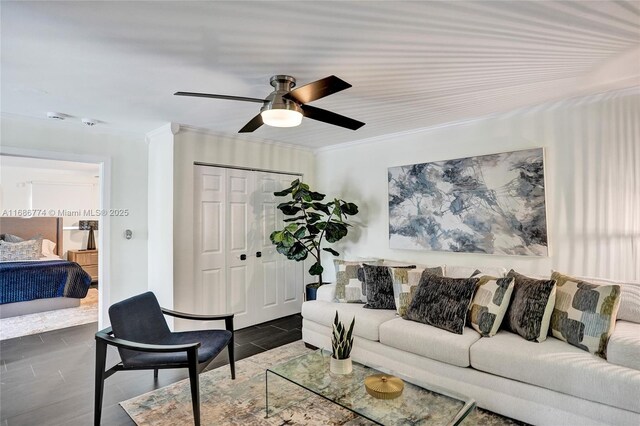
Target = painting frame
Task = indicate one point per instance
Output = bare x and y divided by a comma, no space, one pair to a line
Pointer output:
485,204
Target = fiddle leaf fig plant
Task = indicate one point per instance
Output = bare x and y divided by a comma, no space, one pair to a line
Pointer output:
310,222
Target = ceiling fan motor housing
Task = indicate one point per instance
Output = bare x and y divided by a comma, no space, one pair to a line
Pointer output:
283,85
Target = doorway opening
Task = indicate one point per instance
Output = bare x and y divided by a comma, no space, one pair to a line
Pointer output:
53,205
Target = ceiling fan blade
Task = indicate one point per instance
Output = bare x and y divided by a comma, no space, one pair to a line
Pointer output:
318,89
227,97
252,125
330,117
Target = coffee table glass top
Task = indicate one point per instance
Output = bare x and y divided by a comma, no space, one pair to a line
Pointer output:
418,404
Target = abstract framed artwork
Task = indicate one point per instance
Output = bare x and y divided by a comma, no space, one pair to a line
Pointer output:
492,204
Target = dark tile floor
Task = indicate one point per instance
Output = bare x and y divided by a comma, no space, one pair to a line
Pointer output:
47,379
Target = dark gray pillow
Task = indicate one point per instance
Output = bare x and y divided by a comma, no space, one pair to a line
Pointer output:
379,286
10,238
531,306
442,302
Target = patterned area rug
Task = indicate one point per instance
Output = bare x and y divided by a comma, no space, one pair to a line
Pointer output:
242,402
40,322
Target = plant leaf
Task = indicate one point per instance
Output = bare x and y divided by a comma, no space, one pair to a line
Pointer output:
316,269
332,251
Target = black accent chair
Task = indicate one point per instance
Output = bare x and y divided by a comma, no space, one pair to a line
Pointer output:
144,341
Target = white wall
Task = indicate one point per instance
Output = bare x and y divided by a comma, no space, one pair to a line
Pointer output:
127,158
194,146
592,182
72,190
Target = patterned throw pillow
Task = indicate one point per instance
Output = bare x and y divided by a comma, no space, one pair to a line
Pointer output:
532,302
490,304
442,302
10,238
405,284
584,313
25,250
379,286
350,285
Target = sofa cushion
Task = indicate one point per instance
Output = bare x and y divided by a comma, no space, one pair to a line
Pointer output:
584,314
531,306
442,302
556,365
429,341
367,320
490,304
624,345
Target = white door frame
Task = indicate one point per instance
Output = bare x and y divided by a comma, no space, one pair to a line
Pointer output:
104,163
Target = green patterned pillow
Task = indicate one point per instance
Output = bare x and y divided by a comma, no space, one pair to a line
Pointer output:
584,314
405,283
350,285
490,304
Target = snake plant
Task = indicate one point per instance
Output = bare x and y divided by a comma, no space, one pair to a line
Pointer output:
342,339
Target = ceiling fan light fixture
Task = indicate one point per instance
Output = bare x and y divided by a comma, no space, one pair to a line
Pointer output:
281,117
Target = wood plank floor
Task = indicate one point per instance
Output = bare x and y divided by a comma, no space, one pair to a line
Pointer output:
47,379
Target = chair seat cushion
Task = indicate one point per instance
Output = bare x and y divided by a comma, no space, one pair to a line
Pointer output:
212,342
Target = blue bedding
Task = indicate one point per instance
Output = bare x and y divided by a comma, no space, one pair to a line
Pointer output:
24,281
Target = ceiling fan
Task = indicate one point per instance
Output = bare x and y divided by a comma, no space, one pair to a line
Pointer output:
285,106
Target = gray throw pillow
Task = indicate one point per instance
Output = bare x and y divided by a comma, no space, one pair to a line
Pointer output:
442,302
10,238
531,306
379,286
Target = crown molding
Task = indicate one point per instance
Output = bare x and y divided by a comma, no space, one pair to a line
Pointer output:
169,128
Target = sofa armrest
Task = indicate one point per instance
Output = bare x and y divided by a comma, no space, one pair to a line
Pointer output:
326,292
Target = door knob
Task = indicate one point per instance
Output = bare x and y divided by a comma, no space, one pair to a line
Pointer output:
243,257
258,254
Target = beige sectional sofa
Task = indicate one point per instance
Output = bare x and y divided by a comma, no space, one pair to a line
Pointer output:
548,383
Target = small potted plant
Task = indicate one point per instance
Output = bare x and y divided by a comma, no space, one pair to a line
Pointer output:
341,345
310,223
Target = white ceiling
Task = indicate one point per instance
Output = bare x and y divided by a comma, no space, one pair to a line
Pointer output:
412,64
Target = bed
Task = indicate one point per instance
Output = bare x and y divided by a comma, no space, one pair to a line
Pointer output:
39,285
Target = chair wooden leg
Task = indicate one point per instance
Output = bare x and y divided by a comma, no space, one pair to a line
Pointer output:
194,379
232,359
101,361
155,374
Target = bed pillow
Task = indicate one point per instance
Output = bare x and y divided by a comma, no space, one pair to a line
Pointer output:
405,283
48,248
379,286
584,314
442,302
25,250
490,304
350,284
531,306
10,238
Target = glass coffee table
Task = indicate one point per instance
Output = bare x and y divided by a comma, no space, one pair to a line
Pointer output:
418,404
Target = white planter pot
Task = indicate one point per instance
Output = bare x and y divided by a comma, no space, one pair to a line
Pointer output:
340,366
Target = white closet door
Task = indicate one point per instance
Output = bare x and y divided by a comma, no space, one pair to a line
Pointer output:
279,290
237,269
210,254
